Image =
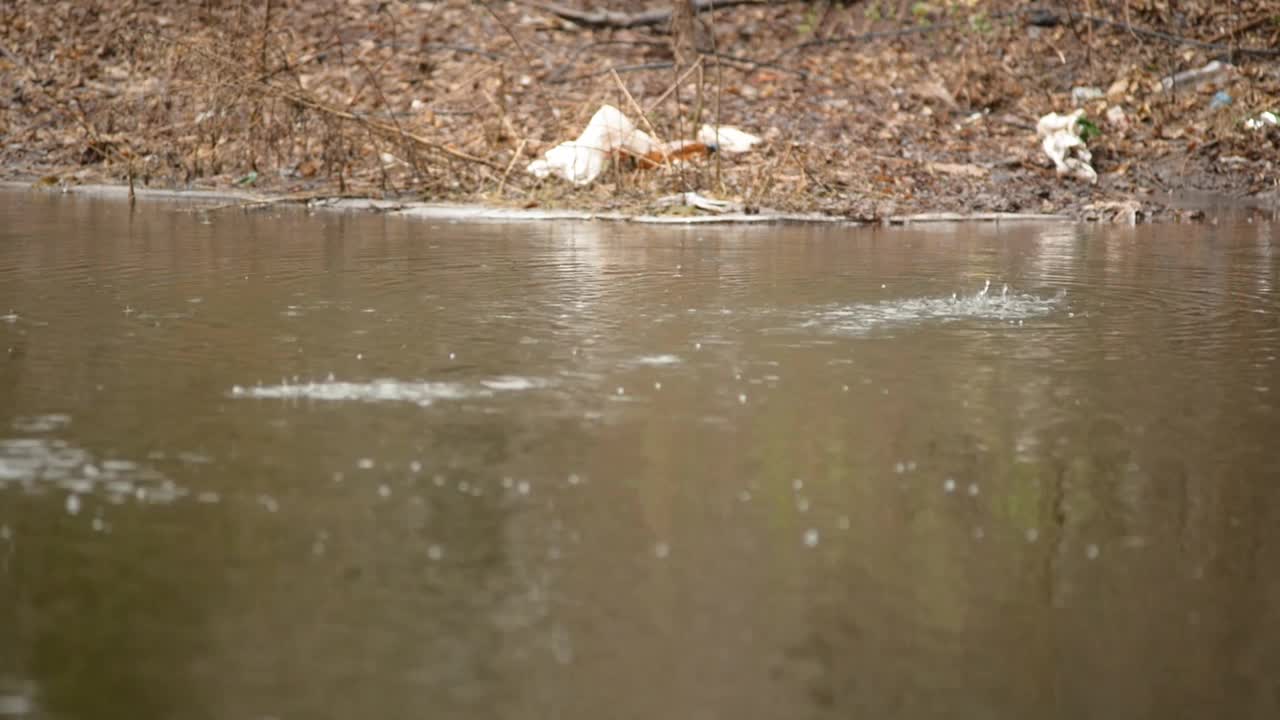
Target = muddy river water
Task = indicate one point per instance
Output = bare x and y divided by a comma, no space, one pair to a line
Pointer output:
288,465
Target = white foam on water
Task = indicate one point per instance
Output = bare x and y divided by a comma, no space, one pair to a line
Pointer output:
508,383
420,393
16,705
1004,306
40,423
36,465
658,360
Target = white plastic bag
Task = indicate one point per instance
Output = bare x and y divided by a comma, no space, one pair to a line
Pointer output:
728,140
581,161
1061,142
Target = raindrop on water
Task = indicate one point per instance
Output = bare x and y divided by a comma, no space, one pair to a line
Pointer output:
384,491
365,463
435,552
1092,551
949,485
811,537
1032,535
661,550
73,504
973,489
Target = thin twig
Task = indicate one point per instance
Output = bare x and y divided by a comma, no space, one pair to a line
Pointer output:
382,98
719,89
671,88
514,158
1253,24
305,99
1176,39
507,29
636,106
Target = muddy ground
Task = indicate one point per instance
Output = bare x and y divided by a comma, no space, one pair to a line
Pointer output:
867,109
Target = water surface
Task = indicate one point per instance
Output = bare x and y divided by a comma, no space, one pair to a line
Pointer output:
292,465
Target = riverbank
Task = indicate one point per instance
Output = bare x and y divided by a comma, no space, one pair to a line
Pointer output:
212,201
867,113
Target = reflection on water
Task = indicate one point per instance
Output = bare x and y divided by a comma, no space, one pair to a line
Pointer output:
291,465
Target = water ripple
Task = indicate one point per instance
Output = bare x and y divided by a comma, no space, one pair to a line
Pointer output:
1003,306
420,393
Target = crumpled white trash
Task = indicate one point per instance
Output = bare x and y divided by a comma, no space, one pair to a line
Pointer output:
1062,143
1262,121
729,139
582,160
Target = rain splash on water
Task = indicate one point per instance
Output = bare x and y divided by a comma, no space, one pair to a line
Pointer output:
985,305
